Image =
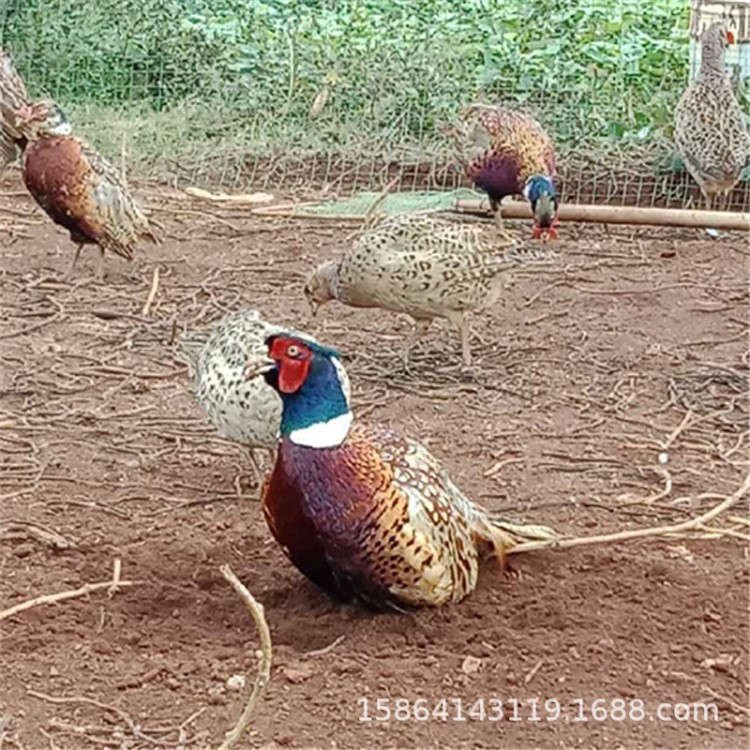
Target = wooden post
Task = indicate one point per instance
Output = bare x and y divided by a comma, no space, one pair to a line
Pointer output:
665,217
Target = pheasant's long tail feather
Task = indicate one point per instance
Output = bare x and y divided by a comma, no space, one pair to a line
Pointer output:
503,535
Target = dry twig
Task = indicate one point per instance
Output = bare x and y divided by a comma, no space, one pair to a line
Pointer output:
37,601
264,664
152,293
698,523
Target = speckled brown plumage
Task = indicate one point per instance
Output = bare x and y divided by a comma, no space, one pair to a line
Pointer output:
79,189
711,134
13,96
247,411
423,266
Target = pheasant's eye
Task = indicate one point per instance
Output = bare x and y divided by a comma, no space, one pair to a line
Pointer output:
293,351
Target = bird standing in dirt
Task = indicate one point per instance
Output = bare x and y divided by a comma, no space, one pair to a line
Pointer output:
711,134
362,512
13,96
242,410
77,188
506,152
422,266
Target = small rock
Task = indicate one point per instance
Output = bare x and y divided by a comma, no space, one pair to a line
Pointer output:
299,672
54,672
23,550
216,695
172,683
471,664
723,663
236,682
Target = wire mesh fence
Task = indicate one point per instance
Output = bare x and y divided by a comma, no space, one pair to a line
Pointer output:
345,94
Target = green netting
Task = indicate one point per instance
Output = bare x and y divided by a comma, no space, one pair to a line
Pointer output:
394,203
347,94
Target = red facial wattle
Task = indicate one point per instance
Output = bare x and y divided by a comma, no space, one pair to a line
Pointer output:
730,37
293,369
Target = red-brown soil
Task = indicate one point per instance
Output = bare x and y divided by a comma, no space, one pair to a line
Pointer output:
583,372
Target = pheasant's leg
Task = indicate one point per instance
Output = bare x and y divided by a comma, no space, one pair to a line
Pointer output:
420,329
257,469
707,196
465,340
498,215
100,266
71,268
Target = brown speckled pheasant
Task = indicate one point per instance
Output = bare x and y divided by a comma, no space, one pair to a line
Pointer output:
710,130
506,152
361,511
13,96
77,188
422,266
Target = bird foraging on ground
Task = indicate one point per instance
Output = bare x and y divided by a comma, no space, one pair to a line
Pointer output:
423,266
506,152
77,188
13,96
242,410
362,512
711,134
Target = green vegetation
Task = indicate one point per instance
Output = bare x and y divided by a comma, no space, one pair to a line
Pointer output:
218,80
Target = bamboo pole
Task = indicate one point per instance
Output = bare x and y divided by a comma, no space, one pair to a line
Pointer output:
667,217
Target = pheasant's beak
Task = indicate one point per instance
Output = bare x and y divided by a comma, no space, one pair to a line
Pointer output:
254,369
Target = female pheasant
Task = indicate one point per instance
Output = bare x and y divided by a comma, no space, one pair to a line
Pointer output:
77,188
13,96
422,266
242,410
710,130
362,512
507,152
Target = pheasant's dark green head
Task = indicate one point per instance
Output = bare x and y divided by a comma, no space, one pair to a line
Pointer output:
540,192
310,380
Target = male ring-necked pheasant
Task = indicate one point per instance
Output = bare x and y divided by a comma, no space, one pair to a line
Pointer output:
362,512
506,152
77,188
425,267
246,411
711,134
13,96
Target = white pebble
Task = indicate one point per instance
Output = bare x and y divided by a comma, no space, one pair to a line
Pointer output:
663,457
236,682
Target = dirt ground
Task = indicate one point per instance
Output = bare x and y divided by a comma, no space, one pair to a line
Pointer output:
636,343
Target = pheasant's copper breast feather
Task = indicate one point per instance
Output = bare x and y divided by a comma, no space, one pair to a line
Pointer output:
82,192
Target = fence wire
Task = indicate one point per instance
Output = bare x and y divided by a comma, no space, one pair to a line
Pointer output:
300,95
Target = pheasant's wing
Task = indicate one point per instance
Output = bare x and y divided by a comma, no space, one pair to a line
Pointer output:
13,96
408,540
423,267
122,220
523,134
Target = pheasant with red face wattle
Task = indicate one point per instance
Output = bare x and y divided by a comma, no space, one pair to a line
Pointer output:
506,152
362,512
